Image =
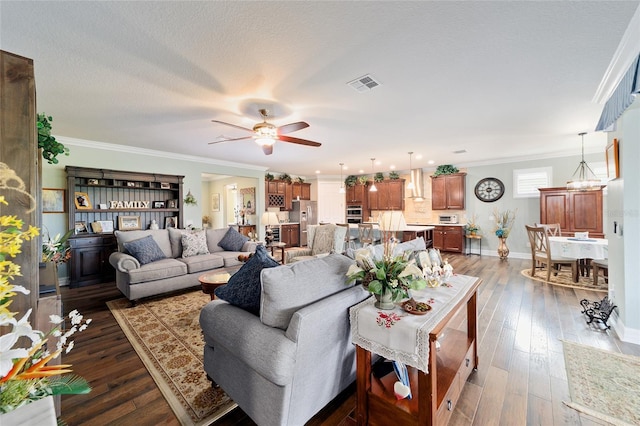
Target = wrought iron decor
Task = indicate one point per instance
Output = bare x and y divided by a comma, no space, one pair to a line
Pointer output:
598,310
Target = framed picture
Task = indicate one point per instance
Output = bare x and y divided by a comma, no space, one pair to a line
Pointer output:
165,185
82,201
170,222
105,225
102,206
129,223
613,160
215,202
92,181
96,227
158,204
172,204
53,200
249,200
81,226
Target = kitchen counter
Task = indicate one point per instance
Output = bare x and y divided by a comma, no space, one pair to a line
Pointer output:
409,232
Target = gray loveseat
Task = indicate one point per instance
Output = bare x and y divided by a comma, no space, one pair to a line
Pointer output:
174,272
285,365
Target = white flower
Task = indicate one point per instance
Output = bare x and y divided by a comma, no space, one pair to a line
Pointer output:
56,333
20,289
353,269
411,270
23,328
69,347
7,355
83,327
55,319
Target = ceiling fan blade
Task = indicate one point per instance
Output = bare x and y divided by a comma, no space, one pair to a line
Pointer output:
232,125
267,149
298,141
231,140
292,127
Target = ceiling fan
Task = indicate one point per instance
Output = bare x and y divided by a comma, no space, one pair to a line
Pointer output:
266,134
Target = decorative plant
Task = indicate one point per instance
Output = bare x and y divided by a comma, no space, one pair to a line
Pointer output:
445,169
300,179
268,177
362,180
57,250
504,222
350,180
51,148
286,177
24,373
472,226
190,200
378,177
393,175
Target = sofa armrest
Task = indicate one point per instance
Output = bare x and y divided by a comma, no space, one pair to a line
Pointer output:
250,246
265,349
123,262
292,254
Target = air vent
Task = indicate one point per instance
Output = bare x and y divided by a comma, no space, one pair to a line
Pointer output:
364,83
460,151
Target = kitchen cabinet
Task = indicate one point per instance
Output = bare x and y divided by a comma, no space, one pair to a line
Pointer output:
357,194
447,191
301,191
110,194
290,234
389,196
575,211
89,263
449,238
280,194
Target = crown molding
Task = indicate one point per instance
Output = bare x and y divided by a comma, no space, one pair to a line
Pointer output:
627,51
154,153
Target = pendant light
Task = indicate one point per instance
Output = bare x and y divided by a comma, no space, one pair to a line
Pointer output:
373,182
583,178
411,186
342,188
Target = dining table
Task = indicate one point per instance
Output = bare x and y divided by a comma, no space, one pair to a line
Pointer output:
581,249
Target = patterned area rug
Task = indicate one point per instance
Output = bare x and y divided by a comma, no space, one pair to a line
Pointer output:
603,384
166,335
564,279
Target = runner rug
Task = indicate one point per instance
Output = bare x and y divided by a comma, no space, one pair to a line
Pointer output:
603,384
564,279
166,335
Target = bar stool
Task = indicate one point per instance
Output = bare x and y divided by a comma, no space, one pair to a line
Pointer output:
365,234
349,240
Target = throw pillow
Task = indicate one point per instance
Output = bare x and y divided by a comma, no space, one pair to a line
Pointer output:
194,243
233,240
243,288
146,250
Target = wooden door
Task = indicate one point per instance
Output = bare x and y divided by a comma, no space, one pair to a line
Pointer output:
305,193
438,193
585,215
383,195
396,194
455,191
554,208
438,238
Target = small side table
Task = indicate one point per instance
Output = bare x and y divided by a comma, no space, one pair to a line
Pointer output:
472,238
213,280
280,246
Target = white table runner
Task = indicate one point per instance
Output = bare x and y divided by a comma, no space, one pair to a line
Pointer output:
400,336
592,248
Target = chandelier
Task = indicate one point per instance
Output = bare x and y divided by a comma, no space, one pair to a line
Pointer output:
583,178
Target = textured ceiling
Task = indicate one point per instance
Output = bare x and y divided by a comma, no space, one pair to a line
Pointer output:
497,79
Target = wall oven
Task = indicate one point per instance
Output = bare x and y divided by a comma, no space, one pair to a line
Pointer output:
354,214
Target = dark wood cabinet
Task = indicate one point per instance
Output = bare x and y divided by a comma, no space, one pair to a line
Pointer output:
89,263
447,191
301,190
389,195
113,194
575,211
281,194
449,238
290,234
357,194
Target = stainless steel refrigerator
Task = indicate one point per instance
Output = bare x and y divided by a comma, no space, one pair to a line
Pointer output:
306,213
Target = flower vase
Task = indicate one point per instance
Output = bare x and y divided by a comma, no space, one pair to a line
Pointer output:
503,250
385,300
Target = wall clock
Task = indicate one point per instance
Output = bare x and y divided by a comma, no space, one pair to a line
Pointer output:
489,189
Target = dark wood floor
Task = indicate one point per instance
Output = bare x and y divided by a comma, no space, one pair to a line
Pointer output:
521,377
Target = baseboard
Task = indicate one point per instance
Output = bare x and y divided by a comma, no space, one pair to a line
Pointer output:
626,334
63,281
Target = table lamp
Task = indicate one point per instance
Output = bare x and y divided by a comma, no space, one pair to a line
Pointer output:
269,219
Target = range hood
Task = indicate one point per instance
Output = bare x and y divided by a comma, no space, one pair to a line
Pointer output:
417,193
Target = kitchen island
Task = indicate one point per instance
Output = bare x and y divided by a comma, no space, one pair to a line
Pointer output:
406,233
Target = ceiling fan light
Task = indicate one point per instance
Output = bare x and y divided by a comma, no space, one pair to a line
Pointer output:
265,141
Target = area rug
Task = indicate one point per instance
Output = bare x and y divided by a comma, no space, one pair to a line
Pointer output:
603,384
564,279
166,335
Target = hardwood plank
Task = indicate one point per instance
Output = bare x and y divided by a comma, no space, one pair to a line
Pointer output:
539,411
492,397
514,407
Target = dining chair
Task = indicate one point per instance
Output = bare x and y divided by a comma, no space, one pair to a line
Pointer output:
365,234
552,229
349,240
540,253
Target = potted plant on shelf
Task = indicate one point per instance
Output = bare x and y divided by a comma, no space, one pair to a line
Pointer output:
378,177
445,169
268,177
51,148
350,181
472,228
393,175
286,177
362,180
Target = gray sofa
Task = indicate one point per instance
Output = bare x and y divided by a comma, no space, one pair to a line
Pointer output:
174,272
285,365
